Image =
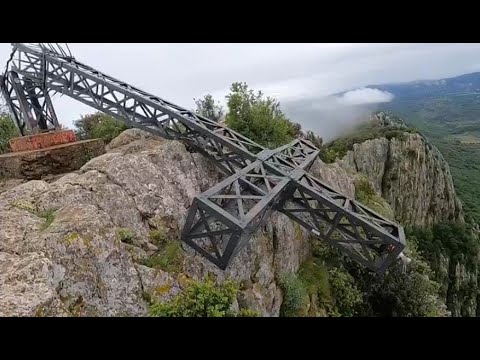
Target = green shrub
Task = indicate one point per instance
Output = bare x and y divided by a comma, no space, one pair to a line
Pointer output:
125,235
258,117
412,293
347,297
199,299
248,313
48,215
8,131
366,194
314,276
363,189
206,107
169,257
294,294
158,237
398,134
99,125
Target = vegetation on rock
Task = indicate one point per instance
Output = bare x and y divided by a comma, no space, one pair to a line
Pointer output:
448,115
168,257
258,117
202,299
366,194
206,107
382,125
294,294
7,132
99,125
125,235
449,247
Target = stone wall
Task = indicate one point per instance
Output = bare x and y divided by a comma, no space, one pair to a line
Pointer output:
35,165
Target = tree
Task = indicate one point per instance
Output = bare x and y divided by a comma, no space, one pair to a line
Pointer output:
410,293
206,107
8,131
99,125
258,117
314,139
199,299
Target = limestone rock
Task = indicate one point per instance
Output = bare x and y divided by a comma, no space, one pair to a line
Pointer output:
72,226
411,175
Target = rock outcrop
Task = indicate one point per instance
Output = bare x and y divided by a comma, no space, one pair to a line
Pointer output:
411,175
61,253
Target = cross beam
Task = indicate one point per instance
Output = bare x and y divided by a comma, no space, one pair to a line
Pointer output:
222,219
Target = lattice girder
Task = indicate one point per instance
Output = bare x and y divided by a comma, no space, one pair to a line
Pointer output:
222,219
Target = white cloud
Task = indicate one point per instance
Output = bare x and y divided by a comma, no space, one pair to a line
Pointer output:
181,72
365,96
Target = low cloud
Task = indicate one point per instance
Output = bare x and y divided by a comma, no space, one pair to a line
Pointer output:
365,96
330,117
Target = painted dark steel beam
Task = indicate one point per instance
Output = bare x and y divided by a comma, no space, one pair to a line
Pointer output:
221,220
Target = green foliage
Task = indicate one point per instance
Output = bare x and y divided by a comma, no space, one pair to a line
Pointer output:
457,244
99,125
125,235
323,251
366,194
7,132
158,237
206,107
245,312
315,278
258,117
397,134
366,131
294,294
48,215
206,299
410,293
330,286
451,239
169,257
347,296
314,139
451,123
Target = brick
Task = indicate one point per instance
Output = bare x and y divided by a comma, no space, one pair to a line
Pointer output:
42,141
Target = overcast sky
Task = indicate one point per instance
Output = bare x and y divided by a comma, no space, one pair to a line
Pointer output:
181,72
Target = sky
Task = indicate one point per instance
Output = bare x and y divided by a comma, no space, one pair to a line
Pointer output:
290,72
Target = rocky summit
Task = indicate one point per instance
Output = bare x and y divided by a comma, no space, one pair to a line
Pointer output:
85,244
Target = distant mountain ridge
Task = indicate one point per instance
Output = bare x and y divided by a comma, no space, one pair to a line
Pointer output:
466,83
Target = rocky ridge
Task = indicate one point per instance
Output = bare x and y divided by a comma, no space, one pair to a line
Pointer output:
61,253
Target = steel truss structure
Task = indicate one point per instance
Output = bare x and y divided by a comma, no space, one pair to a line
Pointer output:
258,180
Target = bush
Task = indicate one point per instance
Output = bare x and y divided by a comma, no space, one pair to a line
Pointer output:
347,296
8,131
315,278
259,118
199,300
248,313
294,294
158,237
125,236
169,257
48,215
412,293
206,107
314,139
99,125
366,194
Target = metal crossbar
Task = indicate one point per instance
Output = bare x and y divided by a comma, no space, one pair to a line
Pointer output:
221,220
